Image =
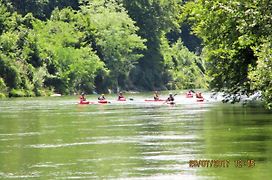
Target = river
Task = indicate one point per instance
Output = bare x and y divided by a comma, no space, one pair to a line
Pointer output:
55,138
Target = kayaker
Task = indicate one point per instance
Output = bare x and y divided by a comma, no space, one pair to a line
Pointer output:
199,95
120,96
171,97
156,96
102,97
82,97
190,94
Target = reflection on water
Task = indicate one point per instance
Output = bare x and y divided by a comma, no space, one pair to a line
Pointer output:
56,138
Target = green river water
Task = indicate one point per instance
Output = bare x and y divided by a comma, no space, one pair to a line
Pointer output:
55,138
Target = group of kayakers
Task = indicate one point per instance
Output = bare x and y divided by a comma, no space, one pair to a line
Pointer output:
170,98
83,99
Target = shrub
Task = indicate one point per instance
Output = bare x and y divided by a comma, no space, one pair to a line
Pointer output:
17,93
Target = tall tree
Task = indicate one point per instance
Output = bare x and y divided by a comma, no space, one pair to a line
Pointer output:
155,18
112,33
235,36
15,71
227,49
186,70
72,66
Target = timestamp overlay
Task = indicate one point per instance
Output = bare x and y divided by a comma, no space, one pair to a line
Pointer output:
228,168
236,147
221,163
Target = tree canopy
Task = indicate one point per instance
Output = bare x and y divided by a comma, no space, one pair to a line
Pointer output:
93,45
236,37
99,45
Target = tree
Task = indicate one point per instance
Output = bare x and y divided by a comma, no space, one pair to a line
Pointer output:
72,67
235,36
261,75
14,69
114,38
186,69
227,50
155,18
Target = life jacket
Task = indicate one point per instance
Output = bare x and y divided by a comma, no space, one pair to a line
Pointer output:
170,98
82,98
156,97
198,95
101,98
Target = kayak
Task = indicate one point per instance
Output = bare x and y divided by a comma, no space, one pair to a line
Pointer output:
171,102
122,99
189,95
199,99
103,101
153,100
84,102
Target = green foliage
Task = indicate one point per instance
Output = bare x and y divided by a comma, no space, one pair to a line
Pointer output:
2,95
14,70
7,72
261,75
234,35
39,75
69,51
226,45
186,70
20,93
3,88
69,64
115,38
4,18
101,44
17,93
9,42
155,18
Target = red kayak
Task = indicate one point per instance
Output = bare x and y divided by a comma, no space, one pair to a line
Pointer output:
103,101
199,99
153,100
84,102
122,99
189,95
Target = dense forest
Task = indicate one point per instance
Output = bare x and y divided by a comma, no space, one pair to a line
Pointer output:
68,47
